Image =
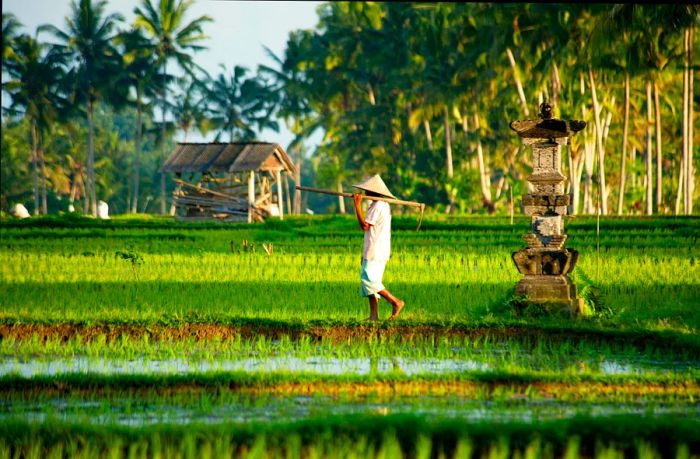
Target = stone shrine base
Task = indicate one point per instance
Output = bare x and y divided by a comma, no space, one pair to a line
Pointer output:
554,293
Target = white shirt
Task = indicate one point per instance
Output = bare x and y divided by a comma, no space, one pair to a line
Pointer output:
378,236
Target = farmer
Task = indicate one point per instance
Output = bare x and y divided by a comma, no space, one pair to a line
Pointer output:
375,253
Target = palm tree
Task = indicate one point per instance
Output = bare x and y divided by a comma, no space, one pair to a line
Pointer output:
262,103
625,59
141,71
36,72
188,106
659,29
441,70
88,39
10,26
173,38
228,104
687,169
292,104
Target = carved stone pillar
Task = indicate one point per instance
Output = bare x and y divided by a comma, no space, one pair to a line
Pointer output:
546,262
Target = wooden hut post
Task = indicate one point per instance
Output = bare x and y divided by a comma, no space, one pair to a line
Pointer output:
278,178
251,195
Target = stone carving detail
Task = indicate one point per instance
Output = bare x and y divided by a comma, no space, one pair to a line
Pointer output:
546,263
547,226
537,262
552,242
546,200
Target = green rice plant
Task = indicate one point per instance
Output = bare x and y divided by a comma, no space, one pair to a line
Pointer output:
367,436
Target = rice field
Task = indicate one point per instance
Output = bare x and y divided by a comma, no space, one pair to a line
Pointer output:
145,337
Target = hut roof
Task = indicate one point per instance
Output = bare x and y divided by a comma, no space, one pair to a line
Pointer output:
228,157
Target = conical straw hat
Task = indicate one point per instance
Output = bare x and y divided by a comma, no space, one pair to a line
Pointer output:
375,184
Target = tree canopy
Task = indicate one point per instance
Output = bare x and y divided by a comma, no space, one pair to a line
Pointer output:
421,93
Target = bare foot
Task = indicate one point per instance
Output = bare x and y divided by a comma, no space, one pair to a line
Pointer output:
372,319
396,309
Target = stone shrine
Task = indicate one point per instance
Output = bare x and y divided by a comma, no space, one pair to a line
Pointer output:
546,263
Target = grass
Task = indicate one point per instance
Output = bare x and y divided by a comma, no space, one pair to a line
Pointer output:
134,292
452,272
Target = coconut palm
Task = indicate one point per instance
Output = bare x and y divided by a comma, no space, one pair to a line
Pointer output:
10,26
141,71
293,92
36,71
228,103
173,38
657,43
88,41
188,105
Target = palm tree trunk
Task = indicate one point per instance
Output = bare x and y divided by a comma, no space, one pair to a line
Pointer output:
685,124
42,166
659,162
518,84
73,190
623,155
649,184
599,139
577,168
556,84
162,144
86,195
681,173
448,143
370,93
92,194
465,130
572,182
35,169
690,183
633,161
483,175
173,207
606,131
588,160
341,199
137,156
428,135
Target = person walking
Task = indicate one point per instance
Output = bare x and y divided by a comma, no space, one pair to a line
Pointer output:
377,245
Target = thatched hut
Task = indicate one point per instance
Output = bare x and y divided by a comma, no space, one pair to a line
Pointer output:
236,181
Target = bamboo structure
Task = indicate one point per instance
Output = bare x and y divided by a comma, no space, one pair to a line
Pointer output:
237,180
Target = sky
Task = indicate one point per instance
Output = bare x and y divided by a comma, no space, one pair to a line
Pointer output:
236,36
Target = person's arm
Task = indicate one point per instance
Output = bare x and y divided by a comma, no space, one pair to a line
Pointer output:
357,198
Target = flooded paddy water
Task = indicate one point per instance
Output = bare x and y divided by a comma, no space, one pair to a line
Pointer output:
29,367
267,359
270,356
147,411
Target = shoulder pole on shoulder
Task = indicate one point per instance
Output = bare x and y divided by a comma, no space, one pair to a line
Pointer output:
400,202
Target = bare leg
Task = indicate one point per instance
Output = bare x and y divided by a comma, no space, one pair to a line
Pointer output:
396,304
373,313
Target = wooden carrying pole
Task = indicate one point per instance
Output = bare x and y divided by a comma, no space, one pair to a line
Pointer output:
418,205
